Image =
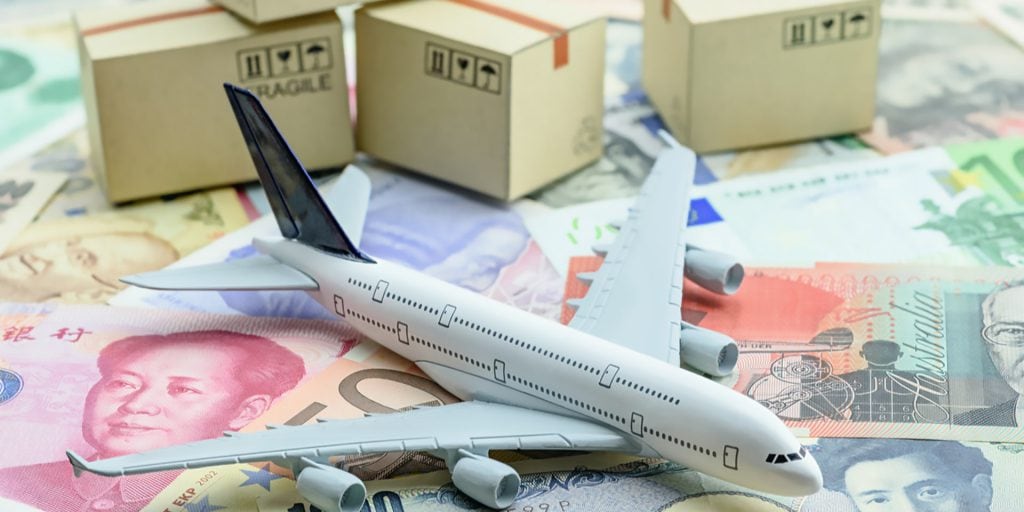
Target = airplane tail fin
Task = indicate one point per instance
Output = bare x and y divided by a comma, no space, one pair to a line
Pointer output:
300,210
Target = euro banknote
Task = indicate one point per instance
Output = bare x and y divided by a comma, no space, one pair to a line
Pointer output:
80,259
450,235
881,210
840,350
109,381
967,85
22,196
369,379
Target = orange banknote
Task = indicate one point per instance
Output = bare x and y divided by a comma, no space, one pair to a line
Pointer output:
850,350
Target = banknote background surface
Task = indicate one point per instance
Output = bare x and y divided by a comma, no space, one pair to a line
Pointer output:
826,345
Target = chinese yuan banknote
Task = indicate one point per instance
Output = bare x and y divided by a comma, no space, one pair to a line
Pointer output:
844,350
112,381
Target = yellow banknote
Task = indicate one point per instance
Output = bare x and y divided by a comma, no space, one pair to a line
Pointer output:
80,259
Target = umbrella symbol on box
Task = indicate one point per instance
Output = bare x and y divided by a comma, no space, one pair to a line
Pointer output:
488,73
316,51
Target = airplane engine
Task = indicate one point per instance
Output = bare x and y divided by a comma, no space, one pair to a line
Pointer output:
331,489
486,480
712,270
711,352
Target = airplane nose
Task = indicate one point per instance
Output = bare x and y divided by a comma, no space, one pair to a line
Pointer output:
806,477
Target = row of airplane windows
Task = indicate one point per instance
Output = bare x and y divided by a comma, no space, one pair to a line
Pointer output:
566,398
528,346
782,458
520,343
681,442
450,352
372,322
648,391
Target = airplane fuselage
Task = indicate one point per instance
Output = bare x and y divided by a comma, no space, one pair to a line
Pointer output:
481,349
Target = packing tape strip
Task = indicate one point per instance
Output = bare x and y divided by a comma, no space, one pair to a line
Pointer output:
100,29
666,9
560,34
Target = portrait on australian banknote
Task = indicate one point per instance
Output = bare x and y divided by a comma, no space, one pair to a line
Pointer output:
79,260
137,392
1002,330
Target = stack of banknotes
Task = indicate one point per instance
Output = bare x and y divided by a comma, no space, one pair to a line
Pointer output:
882,317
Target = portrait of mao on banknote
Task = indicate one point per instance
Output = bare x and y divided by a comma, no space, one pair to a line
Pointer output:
115,381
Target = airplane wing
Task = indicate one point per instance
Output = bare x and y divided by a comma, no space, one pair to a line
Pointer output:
634,298
466,425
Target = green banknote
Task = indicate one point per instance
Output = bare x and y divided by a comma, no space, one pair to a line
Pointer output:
39,92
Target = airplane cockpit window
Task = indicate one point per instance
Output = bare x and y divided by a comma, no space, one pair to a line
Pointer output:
782,458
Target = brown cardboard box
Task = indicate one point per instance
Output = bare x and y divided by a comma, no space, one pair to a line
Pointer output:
738,73
158,119
501,97
262,11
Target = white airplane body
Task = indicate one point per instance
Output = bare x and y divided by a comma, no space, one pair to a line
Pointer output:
602,383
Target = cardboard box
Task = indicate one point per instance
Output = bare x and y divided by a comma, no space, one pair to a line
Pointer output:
738,73
158,119
262,11
501,97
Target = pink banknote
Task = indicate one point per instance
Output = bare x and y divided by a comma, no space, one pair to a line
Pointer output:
111,381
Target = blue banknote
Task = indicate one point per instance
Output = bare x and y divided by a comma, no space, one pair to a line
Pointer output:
453,235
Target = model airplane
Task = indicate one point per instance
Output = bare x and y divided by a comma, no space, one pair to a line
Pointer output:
611,380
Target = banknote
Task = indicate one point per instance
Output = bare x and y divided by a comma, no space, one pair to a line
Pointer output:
39,93
563,233
1005,15
630,147
110,381
860,350
946,10
22,196
883,210
79,259
862,475
369,379
452,235
964,86
593,483
623,45
732,164
68,156
902,475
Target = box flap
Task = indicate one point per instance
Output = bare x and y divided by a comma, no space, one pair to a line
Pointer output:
703,11
503,26
158,25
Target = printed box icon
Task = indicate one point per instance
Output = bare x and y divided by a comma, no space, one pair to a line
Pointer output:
498,96
158,119
731,74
